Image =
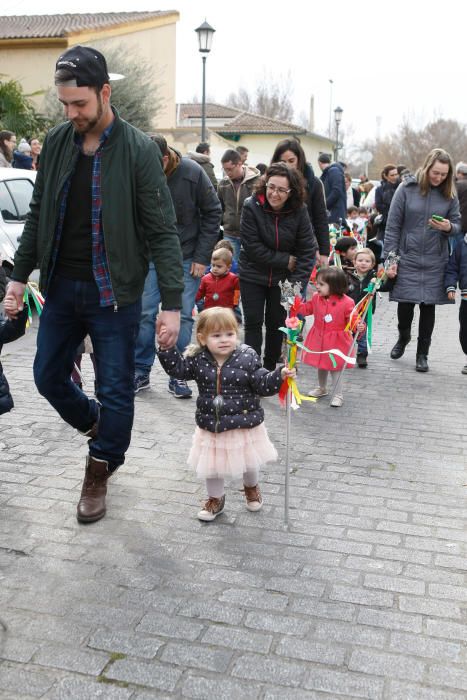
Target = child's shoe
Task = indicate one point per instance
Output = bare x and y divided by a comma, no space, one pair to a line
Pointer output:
337,401
211,509
361,360
254,500
318,392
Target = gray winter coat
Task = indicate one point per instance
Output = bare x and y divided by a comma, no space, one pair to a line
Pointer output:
423,250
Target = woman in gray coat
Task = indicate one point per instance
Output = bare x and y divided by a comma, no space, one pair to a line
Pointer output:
424,212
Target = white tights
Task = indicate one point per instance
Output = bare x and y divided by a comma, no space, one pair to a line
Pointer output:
215,487
323,380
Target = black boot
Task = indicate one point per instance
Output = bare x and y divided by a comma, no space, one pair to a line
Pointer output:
399,348
362,360
423,346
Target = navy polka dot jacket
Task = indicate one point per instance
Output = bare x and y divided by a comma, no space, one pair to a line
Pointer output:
241,381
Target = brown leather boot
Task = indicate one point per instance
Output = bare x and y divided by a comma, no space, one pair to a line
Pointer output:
91,506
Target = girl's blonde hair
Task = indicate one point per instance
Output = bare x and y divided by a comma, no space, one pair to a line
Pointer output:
368,252
447,188
217,318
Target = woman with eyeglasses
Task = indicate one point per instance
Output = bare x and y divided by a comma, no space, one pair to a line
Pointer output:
278,243
7,146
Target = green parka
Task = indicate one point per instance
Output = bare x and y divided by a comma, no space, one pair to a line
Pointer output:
138,217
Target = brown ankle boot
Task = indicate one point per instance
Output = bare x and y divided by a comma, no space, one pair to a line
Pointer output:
254,500
91,506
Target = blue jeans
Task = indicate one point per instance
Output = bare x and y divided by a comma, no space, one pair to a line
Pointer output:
145,351
236,245
71,311
362,346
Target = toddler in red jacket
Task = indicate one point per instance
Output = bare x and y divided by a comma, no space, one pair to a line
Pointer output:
220,287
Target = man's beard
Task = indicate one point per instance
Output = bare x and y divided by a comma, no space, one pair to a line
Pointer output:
90,123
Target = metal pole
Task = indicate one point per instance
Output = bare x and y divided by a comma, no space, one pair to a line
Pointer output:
336,152
287,457
203,104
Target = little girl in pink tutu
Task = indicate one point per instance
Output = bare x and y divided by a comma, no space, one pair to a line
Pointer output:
230,439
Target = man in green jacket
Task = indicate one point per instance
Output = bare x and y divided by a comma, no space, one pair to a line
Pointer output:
100,210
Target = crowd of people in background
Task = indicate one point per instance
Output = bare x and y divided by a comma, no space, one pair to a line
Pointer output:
24,155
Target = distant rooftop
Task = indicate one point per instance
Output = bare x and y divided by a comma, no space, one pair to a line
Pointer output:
56,26
238,121
248,122
192,110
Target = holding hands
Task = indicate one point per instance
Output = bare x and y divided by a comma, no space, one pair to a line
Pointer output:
167,328
13,302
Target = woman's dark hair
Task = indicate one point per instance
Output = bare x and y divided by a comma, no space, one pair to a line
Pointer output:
6,136
387,169
297,186
335,278
290,145
344,243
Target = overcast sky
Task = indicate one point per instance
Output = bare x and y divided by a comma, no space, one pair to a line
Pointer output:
387,60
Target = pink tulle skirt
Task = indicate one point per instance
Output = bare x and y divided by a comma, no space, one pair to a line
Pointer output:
231,453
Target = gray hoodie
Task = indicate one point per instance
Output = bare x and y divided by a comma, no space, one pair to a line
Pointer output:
423,250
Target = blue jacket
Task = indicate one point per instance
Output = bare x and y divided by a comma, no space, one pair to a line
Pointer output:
197,208
456,272
336,195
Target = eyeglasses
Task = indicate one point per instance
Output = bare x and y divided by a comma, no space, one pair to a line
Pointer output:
279,190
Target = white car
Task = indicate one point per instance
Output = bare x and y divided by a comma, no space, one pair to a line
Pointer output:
16,188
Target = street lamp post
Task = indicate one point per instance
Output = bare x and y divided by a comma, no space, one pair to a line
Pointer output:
337,118
205,33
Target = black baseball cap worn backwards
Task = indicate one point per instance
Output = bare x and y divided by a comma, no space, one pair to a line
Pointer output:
87,66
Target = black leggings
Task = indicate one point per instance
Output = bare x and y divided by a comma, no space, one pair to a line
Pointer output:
426,323
463,325
261,303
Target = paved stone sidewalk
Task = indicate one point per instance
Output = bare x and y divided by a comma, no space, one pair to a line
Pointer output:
363,596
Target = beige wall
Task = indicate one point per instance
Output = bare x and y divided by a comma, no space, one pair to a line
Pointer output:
33,67
157,46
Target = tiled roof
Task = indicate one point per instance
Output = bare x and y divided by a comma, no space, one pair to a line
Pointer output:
238,121
50,26
192,110
247,122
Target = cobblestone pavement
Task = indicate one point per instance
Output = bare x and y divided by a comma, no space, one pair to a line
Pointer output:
363,596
